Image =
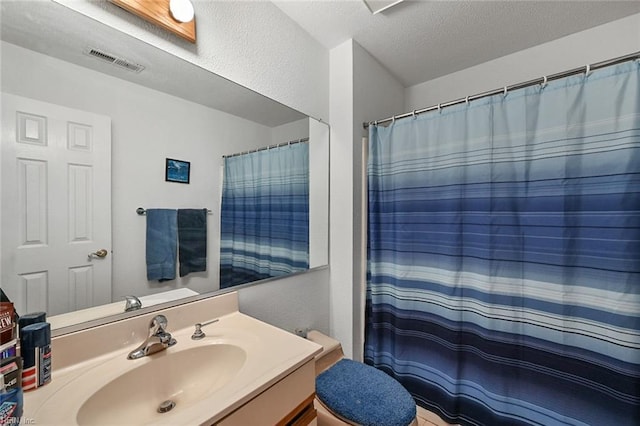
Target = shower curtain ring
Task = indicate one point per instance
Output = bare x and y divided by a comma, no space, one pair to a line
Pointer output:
544,82
414,113
393,119
439,107
505,91
587,71
466,100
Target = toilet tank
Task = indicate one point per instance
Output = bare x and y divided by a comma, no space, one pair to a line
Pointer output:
331,350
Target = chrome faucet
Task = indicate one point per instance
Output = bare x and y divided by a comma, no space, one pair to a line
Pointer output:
132,303
159,339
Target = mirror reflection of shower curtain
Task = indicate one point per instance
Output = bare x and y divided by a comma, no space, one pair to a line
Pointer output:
503,284
265,214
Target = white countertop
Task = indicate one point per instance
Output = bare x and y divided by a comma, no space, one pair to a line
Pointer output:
271,354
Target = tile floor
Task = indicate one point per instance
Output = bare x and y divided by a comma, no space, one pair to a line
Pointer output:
427,418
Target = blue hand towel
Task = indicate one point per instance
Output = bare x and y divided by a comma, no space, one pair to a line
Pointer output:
192,240
162,233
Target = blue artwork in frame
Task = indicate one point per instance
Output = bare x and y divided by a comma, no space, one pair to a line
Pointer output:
177,171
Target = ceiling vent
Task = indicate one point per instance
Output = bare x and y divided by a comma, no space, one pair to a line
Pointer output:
113,59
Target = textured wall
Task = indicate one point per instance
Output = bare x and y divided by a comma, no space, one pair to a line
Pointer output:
341,208
360,88
299,306
586,47
377,93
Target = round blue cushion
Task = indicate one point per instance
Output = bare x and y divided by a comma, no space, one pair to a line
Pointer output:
365,395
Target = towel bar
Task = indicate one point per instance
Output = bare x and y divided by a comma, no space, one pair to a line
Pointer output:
143,212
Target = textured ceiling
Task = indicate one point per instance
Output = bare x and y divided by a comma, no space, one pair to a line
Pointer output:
57,31
418,41
415,40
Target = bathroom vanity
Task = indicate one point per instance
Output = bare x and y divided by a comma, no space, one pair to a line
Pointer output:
242,372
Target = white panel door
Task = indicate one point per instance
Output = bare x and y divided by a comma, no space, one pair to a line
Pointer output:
56,206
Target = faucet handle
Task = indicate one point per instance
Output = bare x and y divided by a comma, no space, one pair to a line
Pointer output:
132,303
158,324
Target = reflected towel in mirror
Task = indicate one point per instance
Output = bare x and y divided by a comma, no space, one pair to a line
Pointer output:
192,240
161,244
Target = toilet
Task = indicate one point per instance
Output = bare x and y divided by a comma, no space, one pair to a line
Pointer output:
353,393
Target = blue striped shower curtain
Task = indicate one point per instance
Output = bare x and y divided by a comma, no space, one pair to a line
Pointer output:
265,214
503,254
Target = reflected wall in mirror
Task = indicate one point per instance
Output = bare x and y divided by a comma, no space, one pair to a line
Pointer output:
116,127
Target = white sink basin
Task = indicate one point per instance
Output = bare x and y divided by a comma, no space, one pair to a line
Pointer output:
182,377
207,379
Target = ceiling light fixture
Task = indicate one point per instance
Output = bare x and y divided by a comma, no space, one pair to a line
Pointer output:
182,10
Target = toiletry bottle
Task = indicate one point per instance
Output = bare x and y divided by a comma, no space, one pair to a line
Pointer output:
11,404
32,318
11,368
8,350
35,349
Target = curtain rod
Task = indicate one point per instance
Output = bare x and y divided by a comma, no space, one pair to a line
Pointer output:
264,148
543,80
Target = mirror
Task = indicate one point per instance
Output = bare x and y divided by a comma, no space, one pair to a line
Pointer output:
74,83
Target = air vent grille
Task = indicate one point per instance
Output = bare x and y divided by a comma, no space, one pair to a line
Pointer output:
114,60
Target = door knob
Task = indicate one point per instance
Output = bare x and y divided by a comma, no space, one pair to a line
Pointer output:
99,254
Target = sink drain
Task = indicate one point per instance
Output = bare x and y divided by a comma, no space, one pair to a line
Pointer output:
166,406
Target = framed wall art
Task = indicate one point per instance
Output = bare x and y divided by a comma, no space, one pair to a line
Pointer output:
177,171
